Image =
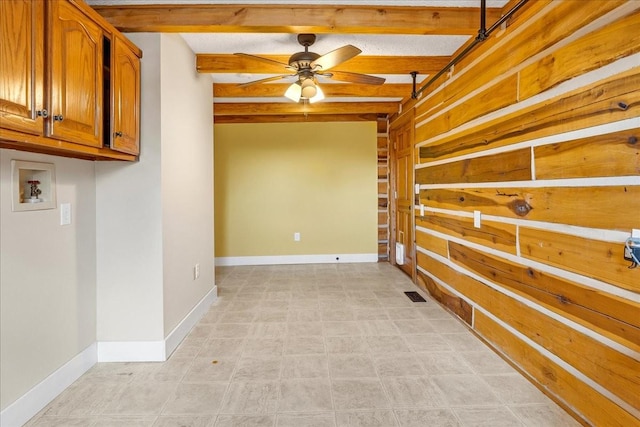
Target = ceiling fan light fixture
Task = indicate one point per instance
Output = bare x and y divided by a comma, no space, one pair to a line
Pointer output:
309,89
294,92
319,96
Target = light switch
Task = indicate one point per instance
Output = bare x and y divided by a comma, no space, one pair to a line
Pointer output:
65,213
477,218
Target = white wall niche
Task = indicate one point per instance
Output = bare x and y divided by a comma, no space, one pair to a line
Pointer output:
24,176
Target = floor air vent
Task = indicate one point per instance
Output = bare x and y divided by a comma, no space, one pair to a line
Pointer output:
415,297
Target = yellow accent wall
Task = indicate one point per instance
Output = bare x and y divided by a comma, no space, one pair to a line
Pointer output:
275,179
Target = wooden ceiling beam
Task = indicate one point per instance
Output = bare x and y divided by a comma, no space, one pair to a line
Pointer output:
229,63
296,19
233,90
295,118
274,108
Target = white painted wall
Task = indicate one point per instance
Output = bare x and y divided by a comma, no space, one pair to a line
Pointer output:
129,224
187,180
47,277
155,216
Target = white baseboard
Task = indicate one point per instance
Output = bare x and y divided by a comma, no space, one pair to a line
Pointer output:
32,402
131,351
296,259
156,351
180,332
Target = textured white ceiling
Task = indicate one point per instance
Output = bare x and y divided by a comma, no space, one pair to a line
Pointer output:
370,44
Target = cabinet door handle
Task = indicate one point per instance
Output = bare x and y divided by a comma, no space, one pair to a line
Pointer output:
118,134
42,113
58,118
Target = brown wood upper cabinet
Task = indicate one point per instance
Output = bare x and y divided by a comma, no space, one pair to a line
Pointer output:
75,81
22,66
125,90
73,90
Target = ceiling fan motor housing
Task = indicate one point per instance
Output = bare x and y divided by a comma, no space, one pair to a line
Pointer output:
303,60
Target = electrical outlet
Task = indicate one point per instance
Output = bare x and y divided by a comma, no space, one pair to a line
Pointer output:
196,271
296,237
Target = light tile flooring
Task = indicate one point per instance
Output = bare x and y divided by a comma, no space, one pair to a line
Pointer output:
312,346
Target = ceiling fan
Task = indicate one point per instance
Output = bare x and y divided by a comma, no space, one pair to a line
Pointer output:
307,65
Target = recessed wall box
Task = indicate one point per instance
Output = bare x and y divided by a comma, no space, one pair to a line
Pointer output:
33,186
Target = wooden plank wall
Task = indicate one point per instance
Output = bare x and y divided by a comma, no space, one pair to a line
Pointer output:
538,131
383,188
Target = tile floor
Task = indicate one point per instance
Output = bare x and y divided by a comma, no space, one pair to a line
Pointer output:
312,346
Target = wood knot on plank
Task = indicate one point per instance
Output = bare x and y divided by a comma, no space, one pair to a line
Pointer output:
632,140
520,207
549,373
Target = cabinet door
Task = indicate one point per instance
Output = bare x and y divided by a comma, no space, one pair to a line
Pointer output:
125,78
21,65
75,61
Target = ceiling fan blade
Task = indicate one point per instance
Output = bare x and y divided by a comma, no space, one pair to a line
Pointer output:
260,58
335,57
345,76
268,79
